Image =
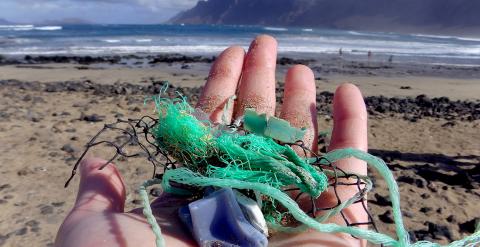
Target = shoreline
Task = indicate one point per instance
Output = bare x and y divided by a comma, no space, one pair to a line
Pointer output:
142,60
374,78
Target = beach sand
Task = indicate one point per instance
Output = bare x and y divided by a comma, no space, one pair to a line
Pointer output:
451,86
435,160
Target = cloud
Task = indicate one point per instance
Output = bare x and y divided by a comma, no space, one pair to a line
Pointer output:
101,11
150,4
154,5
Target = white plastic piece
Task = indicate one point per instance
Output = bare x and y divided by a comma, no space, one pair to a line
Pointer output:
238,121
252,212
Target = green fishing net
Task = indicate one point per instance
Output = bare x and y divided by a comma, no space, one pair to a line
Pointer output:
218,153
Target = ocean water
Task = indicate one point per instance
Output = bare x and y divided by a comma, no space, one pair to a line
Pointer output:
210,39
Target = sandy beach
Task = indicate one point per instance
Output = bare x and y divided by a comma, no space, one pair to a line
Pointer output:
424,121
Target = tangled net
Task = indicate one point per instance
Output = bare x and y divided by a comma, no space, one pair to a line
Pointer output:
255,163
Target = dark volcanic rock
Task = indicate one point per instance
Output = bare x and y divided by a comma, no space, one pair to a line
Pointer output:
58,204
439,230
452,219
51,88
186,66
411,180
433,231
46,209
5,186
412,109
33,225
177,58
34,116
291,61
21,231
426,209
71,59
92,118
386,217
469,226
381,200
68,148
3,239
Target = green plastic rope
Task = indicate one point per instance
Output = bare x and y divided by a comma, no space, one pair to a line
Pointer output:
186,176
147,211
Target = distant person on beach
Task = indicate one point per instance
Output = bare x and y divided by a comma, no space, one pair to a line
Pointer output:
98,217
369,55
340,52
390,59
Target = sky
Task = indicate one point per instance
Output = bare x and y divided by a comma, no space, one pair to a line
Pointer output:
96,11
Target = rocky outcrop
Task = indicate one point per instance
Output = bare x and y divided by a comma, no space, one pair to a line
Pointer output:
425,16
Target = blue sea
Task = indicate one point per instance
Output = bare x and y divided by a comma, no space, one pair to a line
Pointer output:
19,40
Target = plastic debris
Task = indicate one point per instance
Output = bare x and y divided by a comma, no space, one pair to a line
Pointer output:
217,220
252,212
272,127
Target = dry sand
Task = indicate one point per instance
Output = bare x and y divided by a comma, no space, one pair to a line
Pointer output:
35,126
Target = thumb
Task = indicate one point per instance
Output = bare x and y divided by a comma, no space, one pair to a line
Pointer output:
100,190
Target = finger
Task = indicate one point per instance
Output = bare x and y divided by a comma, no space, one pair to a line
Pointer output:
309,238
222,83
299,103
100,190
349,130
350,124
257,85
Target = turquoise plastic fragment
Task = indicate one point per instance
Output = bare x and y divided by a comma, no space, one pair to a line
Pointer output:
254,122
217,220
281,130
272,127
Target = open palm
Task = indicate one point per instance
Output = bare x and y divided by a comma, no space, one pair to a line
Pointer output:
98,217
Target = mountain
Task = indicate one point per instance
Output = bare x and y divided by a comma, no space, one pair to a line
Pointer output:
65,21
5,22
424,16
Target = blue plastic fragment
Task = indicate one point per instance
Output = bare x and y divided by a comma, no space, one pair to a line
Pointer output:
185,217
217,220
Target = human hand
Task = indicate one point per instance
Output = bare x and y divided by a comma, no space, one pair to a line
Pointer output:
252,78
98,218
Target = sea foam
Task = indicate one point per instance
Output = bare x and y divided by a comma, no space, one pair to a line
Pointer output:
48,28
29,28
278,29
